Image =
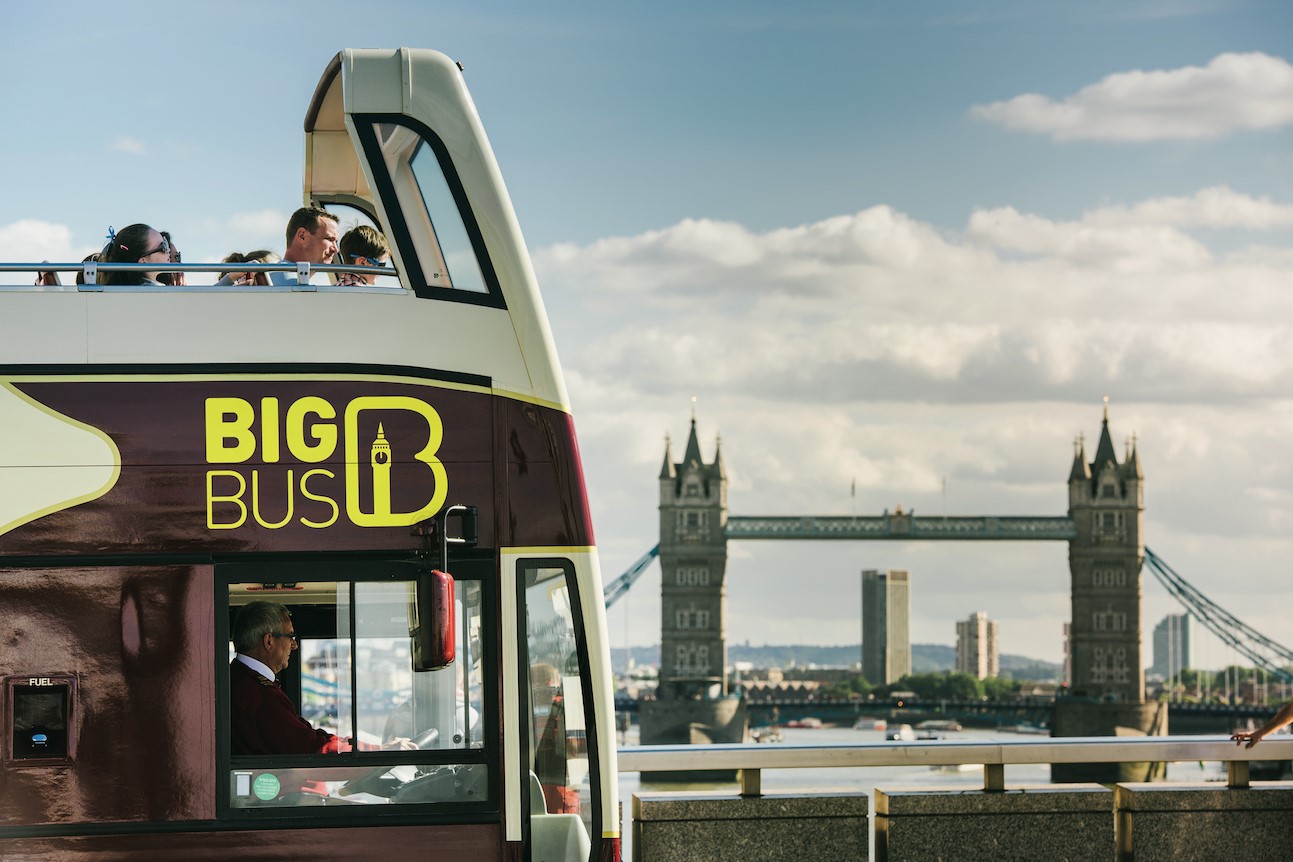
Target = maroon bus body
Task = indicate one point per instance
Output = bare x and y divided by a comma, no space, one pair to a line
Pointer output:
90,591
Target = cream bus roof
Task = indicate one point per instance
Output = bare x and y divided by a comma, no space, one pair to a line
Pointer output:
428,88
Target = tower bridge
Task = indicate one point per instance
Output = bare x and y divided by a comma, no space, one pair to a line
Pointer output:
903,526
1104,529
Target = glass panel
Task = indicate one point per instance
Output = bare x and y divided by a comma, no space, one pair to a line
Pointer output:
369,674
405,784
437,709
558,730
455,247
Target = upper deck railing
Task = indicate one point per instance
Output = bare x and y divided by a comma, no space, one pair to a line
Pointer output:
302,271
994,756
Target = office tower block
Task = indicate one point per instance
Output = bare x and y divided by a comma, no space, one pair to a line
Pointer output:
1173,646
886,630
976,646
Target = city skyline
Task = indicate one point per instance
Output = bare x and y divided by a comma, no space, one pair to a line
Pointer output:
898,254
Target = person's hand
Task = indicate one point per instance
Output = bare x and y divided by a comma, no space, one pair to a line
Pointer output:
46,279
400,743
177,279
1252,737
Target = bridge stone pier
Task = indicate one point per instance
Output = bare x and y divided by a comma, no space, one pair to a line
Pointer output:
1104,529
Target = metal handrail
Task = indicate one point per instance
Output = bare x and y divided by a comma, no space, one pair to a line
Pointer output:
91,268
994,756
283,266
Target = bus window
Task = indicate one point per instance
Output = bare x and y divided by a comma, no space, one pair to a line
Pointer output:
405,737
349,217
455,247
439,230
558,726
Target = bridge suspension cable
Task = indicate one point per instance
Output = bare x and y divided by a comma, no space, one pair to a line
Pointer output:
618,587
1265,653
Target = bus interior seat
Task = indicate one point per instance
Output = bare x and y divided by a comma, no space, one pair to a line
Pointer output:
556,837
537,804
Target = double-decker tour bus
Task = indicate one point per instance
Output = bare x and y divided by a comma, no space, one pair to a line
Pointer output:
393,465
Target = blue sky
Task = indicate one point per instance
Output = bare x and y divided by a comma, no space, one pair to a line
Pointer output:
896,243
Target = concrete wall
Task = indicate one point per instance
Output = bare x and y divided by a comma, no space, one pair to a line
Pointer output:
1205,822
1073,823
703,827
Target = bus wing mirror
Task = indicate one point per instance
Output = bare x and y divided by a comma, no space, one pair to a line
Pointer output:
433,634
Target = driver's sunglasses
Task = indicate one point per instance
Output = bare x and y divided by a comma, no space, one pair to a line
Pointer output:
372,261
165,246
290,635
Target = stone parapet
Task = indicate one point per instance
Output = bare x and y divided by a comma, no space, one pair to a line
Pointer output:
1072,823
1205,822
702,827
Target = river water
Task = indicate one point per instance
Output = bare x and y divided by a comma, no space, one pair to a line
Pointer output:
865,780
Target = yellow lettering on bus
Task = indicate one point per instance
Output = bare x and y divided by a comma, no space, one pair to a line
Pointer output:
229,419
309,495
269,430
255,501
235,499
382,514
325,433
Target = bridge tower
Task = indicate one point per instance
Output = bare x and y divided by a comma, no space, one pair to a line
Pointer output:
1107,689
693,703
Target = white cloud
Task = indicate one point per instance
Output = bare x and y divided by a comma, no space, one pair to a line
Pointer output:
1217,207
1234,92
30,240
874,347
129,145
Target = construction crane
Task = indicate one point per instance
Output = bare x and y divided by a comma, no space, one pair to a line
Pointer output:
618,587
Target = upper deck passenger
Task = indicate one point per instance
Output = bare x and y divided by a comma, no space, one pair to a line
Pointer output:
311,238
136,243
363,246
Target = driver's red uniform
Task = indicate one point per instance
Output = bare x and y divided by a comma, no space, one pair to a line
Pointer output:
264,720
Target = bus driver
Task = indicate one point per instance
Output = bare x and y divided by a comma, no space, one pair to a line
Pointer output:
264,720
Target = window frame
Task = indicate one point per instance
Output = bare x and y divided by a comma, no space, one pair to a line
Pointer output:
397,231
353,570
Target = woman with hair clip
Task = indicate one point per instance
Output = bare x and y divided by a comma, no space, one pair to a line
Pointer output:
137,243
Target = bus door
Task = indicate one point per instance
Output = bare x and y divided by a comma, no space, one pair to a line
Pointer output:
564,793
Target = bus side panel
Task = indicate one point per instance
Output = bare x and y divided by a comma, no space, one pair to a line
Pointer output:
298,469
547,504
388,843
139,642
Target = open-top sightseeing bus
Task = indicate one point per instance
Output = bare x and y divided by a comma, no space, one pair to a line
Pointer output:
169,455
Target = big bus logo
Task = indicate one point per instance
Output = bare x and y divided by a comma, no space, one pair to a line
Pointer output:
236,430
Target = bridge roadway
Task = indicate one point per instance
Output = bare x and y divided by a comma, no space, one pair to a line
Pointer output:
903,526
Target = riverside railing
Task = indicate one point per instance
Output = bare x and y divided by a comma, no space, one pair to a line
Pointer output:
751,760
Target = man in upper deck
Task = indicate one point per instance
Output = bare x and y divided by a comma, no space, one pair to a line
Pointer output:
312,235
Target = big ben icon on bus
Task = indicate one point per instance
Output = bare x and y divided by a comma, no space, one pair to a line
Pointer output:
419,475
379,458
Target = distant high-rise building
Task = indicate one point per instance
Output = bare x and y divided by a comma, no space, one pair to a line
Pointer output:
886,625
1173,646
976,646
